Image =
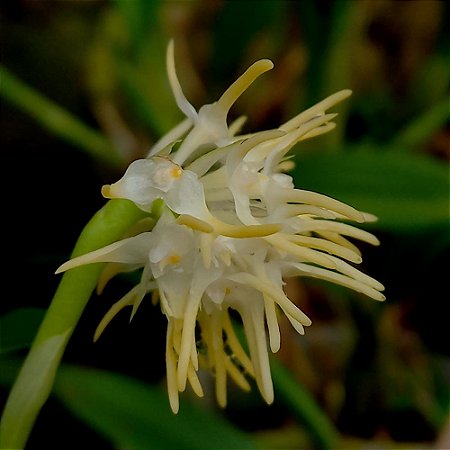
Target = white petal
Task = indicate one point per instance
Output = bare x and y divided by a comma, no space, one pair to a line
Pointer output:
187,197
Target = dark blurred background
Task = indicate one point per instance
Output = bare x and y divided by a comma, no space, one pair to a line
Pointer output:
380,372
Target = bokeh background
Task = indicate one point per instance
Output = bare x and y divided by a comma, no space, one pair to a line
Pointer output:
84,92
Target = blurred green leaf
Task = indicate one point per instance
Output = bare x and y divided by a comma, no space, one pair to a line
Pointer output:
18,328
56,119
422,128
303,406
149,94
126,66
140,16
430,83
295,397
328,36
406,192
239,25
134,415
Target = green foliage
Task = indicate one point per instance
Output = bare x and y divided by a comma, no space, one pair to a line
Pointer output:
135,415
18,328
407,193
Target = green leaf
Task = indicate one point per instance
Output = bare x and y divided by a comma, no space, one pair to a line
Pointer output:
56,119
418,131
297,399
406,192
141,16
303,406
18,328
135,415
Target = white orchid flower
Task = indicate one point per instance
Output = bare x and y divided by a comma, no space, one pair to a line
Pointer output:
233,228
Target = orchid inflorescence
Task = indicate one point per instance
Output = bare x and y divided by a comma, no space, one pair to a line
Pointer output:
230,228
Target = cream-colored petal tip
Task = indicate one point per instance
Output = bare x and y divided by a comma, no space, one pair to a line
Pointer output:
63,268
368,217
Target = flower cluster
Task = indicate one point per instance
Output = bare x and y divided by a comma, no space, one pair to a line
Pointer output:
231,228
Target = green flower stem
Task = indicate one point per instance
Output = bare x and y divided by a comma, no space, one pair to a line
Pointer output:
57,120
35,380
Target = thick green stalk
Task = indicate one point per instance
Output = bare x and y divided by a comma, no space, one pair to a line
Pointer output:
35,380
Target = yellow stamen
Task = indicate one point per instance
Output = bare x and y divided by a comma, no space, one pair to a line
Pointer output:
169,260
176,172
174,259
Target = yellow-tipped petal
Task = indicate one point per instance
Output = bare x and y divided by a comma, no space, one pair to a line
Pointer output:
106,191
245,231
194,223
243,82
317,109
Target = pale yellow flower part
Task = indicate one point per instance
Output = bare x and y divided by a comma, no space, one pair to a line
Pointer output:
233,227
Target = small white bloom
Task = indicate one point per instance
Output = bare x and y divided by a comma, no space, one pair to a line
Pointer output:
233,227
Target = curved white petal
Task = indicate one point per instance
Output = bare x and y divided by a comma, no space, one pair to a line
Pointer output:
181,100
132,250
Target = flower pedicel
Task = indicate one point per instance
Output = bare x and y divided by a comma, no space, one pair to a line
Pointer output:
232,227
